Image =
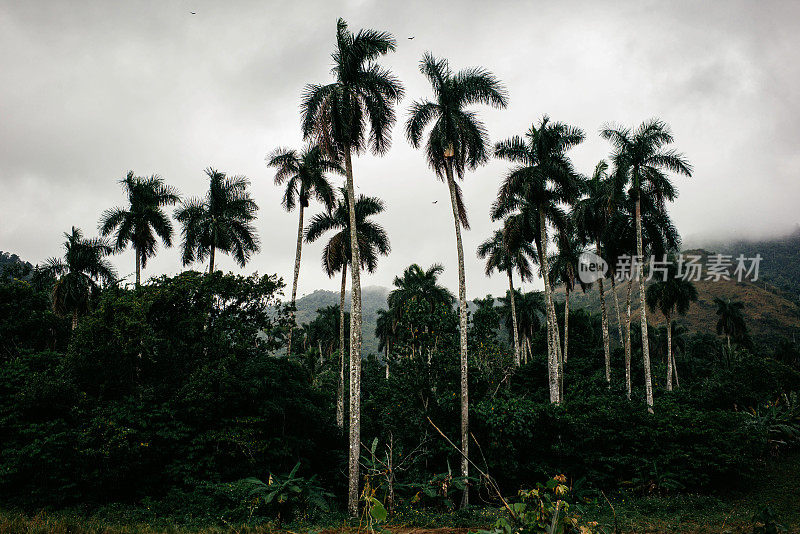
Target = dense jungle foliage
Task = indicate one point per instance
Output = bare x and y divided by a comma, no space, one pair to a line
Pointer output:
171,396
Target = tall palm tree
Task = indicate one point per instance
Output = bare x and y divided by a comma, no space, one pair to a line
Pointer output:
221,220
659,236
591,215
642,162
670,295
337,255
143,220
338,115
305,176
457,141
731,322
537,186
506,251
78,274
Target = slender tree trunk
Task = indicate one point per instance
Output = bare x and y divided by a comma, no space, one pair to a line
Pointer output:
669,353
604,322
74,319
566,323
462,319
628,384
675,371
355,346
386,358
296,276
606,342
138,267
552,363
517,359
211,259
616,305
648,383
340,389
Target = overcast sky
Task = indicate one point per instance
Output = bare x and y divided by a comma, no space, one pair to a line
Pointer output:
92,89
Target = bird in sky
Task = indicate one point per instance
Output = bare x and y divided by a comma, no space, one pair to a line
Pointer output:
192,12
410,37
435,201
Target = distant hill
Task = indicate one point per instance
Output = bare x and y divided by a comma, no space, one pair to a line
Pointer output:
373,298
771,312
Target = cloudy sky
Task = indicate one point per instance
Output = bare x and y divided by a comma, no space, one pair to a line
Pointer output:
92,89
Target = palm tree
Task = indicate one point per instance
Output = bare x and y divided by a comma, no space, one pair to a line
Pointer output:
642,162
337,116
143,220
385,326
670,295
731,320
591,215
530,306
418,285
540,183
505,251
457,141
563,265
304,174
659,236
221,220
78,273
336,256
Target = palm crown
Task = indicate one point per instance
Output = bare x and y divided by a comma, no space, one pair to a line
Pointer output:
143,220
372,238
222,219
77,274
361,97
642,161
507,251
420,286
304,174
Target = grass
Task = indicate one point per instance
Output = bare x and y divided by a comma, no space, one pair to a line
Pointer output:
778,487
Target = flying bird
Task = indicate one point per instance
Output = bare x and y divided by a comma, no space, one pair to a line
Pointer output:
192,12
435,201
411,37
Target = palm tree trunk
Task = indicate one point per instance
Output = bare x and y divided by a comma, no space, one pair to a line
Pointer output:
462,319
296,276
340,389
675,370
211,259
386,358
517,359
566,323
628,385
604,323
648,383
74,319
669,353
616,305
606,342
355,346
138,266
552,364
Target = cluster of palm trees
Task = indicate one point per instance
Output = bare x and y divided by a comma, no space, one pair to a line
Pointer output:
618,211
221,220
543,200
